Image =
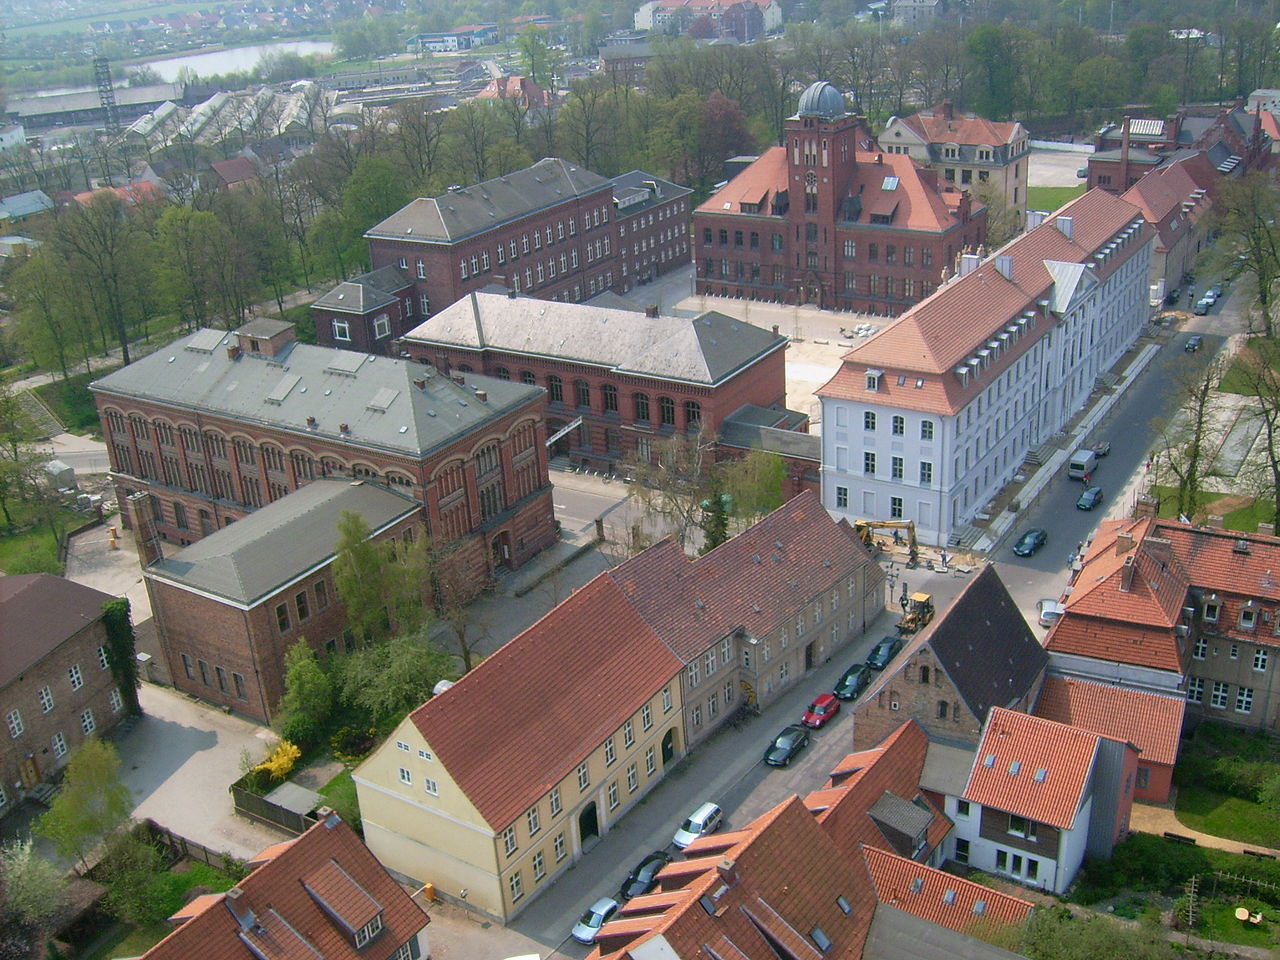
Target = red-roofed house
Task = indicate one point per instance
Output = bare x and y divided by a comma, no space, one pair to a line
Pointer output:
830,219
966,149
929,418
1150,721
1041,795
238,173
320,895
1175,200
498,802
519,90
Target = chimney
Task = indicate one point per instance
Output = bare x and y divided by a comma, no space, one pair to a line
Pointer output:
458,378
482,396
1004,265
1147,506
948,110
1066,226
728,870
1126,575
244,916
651,310
233,352
879,158
344,428
141,520
420,382
1035,218
1124,158
1124,542
311,422
775,329
1266,529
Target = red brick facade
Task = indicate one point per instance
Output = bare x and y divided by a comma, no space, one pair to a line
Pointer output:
370,331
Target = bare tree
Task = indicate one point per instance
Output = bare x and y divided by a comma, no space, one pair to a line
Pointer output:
1188,438
1254,363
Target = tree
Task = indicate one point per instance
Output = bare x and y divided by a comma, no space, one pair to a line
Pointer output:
715,517
993,50
21,462
755,485
92,804
185,280
1188,438
1244,214
391,678
307,702
538,59
1254,363
121,655
670,489
1004,222
130,868
1053,933
359,571
32,897
50,318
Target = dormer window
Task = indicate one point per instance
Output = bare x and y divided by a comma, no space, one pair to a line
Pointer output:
1248,616
873,380
1212,610
950,152
984,154
368,931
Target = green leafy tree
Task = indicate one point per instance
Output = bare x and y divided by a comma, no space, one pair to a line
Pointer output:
539,61
359,571
130,868
122,652
21,462
391,678
185,281
50,315
92,804
33,896
1244,212
715,517
994,53
304,709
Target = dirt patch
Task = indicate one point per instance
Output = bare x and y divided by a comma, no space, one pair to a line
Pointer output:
1224,505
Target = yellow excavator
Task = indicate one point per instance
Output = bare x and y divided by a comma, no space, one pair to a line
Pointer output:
866,532
917,613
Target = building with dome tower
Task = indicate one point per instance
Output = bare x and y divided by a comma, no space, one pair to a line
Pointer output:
830,219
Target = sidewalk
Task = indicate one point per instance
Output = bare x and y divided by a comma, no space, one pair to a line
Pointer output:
1148,818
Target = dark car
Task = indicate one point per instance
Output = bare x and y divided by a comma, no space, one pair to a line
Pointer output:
645,876
1091,497
1193,343
1202,306
853,682
786,745
1172,296
821,711
1030,542
883,652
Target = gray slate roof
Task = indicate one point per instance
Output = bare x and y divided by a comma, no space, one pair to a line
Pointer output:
635,192
26,204
896,934
252,559
900,822
375,396
461,213
38,613
749,428
707,349
366,292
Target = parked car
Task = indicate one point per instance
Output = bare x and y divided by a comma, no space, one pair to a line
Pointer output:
1091,497
706,819
1202,306
1193,343
1215,291
1102,448
786,745
645,875
820,711
1030,542
1172,297
597,915
884,652
1049,612
853,682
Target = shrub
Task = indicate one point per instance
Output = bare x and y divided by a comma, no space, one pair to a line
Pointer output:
280,761
352,744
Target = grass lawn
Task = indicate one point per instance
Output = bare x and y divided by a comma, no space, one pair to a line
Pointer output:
34,544
1223,815
1245,518
1218,922
1051,198
1236,380
341,793
126,940
72,403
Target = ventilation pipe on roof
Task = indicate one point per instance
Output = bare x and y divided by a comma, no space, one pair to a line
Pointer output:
1004,264
969,262
1065,225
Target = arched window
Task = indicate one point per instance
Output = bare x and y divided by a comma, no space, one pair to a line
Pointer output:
526,376
502,373
641,403
555,389
581,393
692,414
465,368
610,395
942,709
924,675
667,411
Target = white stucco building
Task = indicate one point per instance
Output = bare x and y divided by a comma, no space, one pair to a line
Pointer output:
928,419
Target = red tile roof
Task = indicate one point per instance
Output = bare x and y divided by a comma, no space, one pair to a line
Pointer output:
286,920
963,128
757,184
564,686
1161,195
939,897
926,343
1007,767
775,886
1149,721
236,170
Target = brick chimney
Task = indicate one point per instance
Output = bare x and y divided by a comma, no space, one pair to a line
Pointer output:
1124,158
948,110
1124,542
651,310
138,513
1126,575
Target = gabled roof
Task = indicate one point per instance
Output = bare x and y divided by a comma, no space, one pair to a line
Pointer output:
933,125
246,562
984,645
26,204
636,191
1032,767
1151,722
755,581
276,915
236,170
942,898
38,613
466,211
778,884
707,349
564,685
368,291
378,398
940,333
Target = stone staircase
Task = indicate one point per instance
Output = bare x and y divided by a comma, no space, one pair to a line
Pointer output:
43,422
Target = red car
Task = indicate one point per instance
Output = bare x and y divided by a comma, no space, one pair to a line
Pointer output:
820,711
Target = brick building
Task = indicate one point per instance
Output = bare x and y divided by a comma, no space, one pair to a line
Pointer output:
1176,199
367,312
56,685
632,379
218,424
978,655
229,606
553,231
831,219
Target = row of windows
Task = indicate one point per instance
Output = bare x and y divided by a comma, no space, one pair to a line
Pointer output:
45,696
219,674
647,219
1246,619
897,470
1261,656
1220,695
301,601
87,722
897,422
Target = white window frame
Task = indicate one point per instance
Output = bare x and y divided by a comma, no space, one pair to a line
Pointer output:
650,762
16,727
75,676
1221,694
87,723
509,843
46,699
1195,689
59,744
406,776
381,326
341,330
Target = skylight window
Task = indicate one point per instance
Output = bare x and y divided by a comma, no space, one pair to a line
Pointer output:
890,183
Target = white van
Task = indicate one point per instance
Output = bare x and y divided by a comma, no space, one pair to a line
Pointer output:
704,820
1082,462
